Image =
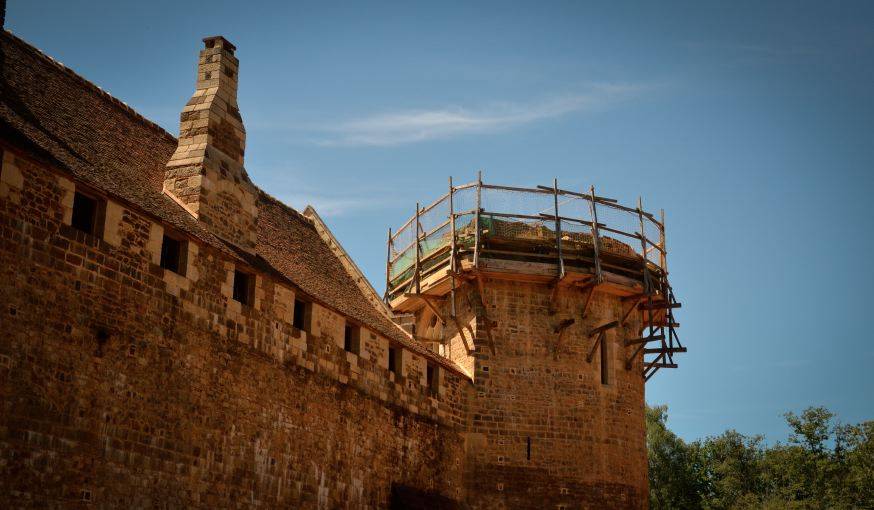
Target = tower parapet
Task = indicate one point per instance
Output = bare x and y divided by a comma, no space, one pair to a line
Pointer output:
558,304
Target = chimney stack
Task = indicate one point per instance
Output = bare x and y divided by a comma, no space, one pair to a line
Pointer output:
206,172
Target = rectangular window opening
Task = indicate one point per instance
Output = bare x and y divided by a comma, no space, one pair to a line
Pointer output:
87,213
174,255
394,360
302,312
605,357
352,338
244,287
433,379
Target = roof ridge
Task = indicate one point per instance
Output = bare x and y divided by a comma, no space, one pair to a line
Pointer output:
288,208
92,86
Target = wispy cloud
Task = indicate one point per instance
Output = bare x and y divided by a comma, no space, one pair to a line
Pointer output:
410,126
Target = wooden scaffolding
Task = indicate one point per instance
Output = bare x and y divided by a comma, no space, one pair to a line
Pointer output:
590,241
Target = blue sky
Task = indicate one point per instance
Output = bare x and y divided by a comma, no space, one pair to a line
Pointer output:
751,124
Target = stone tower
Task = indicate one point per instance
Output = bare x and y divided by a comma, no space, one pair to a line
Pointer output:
205,173
559,317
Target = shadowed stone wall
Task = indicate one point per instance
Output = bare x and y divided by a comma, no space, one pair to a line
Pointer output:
125,385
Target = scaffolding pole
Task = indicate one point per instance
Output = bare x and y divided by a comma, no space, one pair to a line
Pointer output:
418,254
557,229
387,267
452,261
479,205
596,241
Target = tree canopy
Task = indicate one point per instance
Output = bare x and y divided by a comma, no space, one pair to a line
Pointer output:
824,464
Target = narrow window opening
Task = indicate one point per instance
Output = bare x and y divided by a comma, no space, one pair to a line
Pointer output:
529,448
86,213
102,336
173,255
605,356
244,287
394,360
301,319
433,379
351,338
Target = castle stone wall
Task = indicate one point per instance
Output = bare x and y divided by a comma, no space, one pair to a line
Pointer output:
125,385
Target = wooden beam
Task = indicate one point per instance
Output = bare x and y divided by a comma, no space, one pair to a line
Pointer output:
664,349
602,328
660,365
592,286
563,325
658,306
652,367
560,329
595,346
435,310
630,360
634,303
644,340
482,301
553,296
463,338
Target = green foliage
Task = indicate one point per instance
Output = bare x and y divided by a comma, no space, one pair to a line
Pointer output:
823,465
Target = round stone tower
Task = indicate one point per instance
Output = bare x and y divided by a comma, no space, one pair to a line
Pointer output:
558,306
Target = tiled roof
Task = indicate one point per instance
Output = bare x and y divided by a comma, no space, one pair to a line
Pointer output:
105,144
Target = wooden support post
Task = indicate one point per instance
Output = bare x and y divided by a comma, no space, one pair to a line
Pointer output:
452,254
478,226
597,343
482,301
663,256
647,281
650,369
630,361
388,267
418,254
553,296
560,329
460,329
557,230
429,301
596,241
592,286
472,335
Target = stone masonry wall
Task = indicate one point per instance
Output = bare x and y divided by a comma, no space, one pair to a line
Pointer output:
124,385
587,439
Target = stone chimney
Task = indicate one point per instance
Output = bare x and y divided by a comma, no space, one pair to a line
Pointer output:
206,173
